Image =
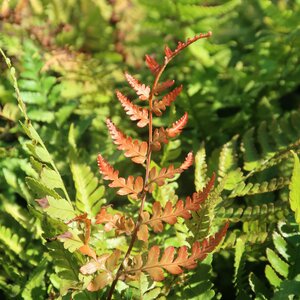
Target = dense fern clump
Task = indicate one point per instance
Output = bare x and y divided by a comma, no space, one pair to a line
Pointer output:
240,90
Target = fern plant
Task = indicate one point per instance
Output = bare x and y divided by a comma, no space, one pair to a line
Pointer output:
114,267
126,262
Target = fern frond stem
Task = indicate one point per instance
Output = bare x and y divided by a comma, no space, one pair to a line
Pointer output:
147,172
144,193
156,80
132,241
11,69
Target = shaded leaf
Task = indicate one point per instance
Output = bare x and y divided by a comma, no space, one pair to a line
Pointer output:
94,265
115,221
163,86
100,281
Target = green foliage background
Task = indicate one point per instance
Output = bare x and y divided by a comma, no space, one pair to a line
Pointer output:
241,90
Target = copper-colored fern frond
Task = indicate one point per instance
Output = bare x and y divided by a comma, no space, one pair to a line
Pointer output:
177,126
106,263
189,160
83,218
159,136
129,186
200,250
171,54
134,149
85,249
159,106
155,265
194,202
152,64
163,86
160,177
135,112
169,172
115,221
142,90
168,214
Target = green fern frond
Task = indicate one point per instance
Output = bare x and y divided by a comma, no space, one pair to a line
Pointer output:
200,223
196,11
89,196
257,212
35,287
272,145
60,209
10,289
66,267
259,288
141,289
252,238
16,183
12,241
251,156
240,277
277,158
37,87
228,164
199,285
282,270
243,189
200,168
295,189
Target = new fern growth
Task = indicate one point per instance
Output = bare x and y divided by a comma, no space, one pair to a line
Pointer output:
118,266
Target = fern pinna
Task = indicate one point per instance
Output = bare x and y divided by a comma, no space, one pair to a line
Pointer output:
129,266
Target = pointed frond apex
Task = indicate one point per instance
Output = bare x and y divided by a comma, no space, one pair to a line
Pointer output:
169,54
